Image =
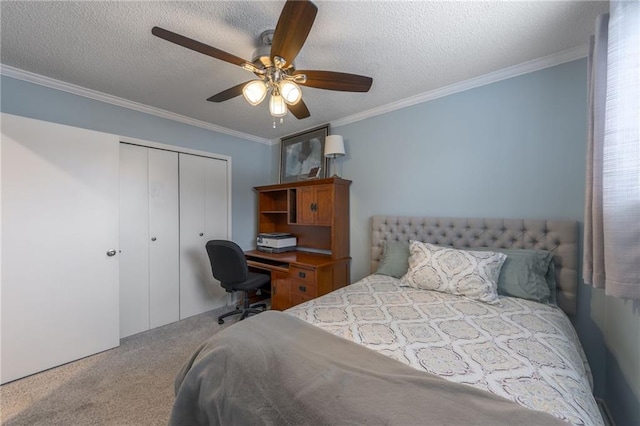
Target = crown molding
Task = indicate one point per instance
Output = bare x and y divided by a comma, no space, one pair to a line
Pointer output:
493,77
41,80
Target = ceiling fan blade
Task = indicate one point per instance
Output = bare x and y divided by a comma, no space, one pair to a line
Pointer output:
299,110
228,94
294,24
331,80
197,46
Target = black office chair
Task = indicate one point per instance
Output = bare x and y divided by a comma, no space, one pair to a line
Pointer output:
229,266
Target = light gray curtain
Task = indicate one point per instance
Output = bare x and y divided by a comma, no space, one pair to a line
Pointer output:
612,210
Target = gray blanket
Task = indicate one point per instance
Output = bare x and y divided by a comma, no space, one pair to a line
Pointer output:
276,369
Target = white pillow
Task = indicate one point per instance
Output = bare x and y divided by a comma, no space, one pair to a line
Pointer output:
473,274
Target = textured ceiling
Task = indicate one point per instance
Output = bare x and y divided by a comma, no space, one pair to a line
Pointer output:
406,47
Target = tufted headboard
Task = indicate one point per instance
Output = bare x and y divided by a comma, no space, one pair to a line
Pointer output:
557,236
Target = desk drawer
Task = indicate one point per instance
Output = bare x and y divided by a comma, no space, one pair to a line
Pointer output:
297,298
304,288
303,274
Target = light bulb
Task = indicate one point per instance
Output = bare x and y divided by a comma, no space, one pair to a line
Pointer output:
254,91
290,92
277,107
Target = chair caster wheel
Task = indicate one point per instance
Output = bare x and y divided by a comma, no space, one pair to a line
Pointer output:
220,321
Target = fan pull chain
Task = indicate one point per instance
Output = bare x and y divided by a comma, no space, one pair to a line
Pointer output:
281,122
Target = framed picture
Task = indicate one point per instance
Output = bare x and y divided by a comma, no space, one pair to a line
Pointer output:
302,155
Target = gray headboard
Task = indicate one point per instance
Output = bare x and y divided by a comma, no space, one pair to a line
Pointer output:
557,236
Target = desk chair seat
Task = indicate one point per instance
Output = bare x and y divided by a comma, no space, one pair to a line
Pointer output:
229,266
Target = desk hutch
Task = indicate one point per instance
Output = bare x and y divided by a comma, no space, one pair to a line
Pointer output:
317,213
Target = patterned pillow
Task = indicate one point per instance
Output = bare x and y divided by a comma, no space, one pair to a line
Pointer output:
473,274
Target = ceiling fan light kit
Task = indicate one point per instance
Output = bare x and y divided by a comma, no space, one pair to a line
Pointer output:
273,64
274,78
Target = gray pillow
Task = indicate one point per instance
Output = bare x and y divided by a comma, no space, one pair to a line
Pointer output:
395,259
551,281
527,274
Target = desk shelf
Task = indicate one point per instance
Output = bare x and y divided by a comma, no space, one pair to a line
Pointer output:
317,213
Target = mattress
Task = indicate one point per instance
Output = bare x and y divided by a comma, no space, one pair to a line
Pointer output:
524,351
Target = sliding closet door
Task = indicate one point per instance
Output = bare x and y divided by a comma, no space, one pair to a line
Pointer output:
203,217
149,271
164,249
216,199
59,244
134,240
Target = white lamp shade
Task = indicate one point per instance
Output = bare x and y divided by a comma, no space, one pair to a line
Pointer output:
290,92
254,92
333,146
277,107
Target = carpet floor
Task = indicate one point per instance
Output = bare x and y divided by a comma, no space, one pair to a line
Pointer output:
128,385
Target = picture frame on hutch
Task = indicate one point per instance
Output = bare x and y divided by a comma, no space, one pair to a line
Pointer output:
302,155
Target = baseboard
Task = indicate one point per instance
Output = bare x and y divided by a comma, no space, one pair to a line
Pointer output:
606,414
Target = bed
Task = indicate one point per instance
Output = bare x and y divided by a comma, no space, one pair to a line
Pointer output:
383,351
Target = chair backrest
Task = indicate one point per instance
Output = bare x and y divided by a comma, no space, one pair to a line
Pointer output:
228,264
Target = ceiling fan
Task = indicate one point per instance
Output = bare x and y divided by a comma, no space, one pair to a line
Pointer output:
273,65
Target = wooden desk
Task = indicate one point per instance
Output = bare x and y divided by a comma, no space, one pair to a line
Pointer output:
298,276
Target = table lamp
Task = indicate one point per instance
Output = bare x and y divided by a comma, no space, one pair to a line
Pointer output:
333,147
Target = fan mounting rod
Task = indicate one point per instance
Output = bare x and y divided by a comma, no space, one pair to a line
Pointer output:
262,55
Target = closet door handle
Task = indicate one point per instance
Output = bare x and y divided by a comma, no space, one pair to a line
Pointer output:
153,239
201,234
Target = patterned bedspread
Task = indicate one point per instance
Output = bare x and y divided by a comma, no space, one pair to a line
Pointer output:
521,350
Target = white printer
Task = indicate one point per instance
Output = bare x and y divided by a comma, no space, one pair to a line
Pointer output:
276,242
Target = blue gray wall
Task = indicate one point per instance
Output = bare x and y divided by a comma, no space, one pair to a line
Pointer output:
515,148
249,168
